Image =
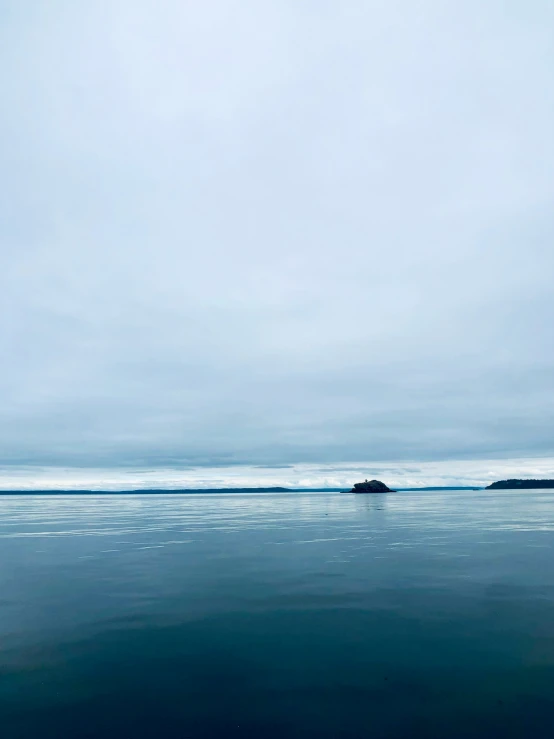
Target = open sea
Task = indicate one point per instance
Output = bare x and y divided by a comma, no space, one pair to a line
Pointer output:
415,614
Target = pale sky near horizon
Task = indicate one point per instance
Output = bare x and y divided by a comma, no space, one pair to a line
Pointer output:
446,473
237,234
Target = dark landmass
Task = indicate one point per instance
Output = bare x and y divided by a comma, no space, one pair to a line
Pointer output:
523,484
316,490
457,487
215,491
370,486
179,491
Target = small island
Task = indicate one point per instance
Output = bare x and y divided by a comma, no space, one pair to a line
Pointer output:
520,484
370,486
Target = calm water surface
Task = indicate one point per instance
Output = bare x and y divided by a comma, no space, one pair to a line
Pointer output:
296,615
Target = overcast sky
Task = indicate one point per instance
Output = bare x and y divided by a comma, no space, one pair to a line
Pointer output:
276,232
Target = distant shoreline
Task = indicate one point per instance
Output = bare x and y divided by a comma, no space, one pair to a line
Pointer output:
208,491
515,484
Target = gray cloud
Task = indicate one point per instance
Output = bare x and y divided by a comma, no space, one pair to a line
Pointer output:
265,233
443,473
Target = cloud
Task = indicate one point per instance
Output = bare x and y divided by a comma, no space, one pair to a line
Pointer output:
266,234
445,473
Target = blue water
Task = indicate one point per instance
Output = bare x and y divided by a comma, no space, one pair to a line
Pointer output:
296,615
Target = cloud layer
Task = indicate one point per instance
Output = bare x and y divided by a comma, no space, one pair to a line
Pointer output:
397,474
266,233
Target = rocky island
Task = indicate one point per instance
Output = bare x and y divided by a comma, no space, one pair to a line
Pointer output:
520,485
370,486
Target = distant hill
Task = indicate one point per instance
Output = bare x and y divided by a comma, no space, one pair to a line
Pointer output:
203,491
457,487
184,491
520,484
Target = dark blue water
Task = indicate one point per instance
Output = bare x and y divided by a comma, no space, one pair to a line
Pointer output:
299,615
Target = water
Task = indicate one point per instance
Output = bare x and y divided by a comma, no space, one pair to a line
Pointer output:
297,615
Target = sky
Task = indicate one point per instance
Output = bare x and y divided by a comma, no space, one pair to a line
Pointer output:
241,235
445,473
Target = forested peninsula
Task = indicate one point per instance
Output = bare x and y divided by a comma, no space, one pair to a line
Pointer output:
520,485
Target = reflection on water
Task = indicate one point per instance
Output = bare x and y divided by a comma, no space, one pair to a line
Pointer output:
298,615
